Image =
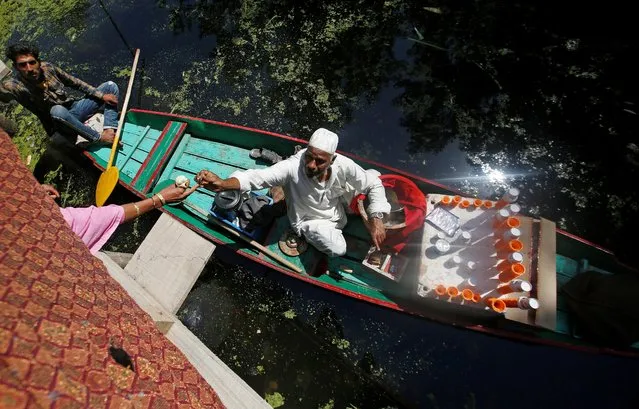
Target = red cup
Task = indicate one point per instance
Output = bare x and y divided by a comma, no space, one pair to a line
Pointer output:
496,304
514,271
511,302
467,294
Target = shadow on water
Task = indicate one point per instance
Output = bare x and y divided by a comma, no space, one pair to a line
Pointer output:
314,347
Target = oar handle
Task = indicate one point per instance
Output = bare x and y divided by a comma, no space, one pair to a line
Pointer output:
114,147
250,241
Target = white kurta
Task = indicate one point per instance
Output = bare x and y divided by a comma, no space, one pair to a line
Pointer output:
317,209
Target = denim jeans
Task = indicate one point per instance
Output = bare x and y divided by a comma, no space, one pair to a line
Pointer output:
72,119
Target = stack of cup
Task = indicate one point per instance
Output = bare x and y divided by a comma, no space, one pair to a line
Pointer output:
524,303
454,261
510,196
463,238
500,217
513,258
513,209
496,304
442,246
506,247
514,286
513,271
467,294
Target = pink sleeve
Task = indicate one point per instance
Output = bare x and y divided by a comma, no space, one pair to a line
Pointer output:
94,225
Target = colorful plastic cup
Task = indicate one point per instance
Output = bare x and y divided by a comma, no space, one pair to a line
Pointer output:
496,304
514,271
467,294
445,200
440,290
452,292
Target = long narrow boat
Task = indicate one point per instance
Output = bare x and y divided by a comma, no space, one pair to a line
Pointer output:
160,146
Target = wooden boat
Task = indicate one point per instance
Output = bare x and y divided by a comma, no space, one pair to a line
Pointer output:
160,146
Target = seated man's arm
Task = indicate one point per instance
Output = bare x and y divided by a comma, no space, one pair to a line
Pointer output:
252,179
369,183
76,83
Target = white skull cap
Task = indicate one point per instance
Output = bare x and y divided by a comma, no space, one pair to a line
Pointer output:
324,140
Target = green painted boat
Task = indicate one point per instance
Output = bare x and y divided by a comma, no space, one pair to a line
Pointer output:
160,146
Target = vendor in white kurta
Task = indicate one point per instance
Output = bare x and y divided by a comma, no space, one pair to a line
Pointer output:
318,184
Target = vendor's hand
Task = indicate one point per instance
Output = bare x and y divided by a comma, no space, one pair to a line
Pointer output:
174,194
51,192
110,99
377,231
209,180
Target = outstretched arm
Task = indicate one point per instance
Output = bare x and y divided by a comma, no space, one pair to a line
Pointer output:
76,83
213,182
252,179
170,194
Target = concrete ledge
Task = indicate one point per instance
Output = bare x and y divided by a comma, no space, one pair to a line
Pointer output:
232,390
169,261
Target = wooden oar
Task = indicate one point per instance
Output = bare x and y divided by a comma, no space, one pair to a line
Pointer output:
244,237
109,178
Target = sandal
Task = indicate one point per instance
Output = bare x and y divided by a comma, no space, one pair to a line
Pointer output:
265,154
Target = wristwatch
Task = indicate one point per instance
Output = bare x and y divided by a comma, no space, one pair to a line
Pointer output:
376,215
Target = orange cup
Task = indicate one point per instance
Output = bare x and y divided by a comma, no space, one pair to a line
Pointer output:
456,200
467,294
476,297
511,246
496,304
511,222
511,302
440,290
452,292
487,204
445,200
464,204
478,203
505,289
514,271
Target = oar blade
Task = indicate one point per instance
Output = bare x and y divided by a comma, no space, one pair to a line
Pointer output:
106,184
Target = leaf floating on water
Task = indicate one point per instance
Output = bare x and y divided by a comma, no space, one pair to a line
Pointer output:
435,10
274,399
630,111
290,314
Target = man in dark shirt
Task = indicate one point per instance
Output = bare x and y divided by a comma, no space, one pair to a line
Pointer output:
40,87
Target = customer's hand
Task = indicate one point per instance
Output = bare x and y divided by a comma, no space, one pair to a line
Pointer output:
174,194
209,180
51,192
